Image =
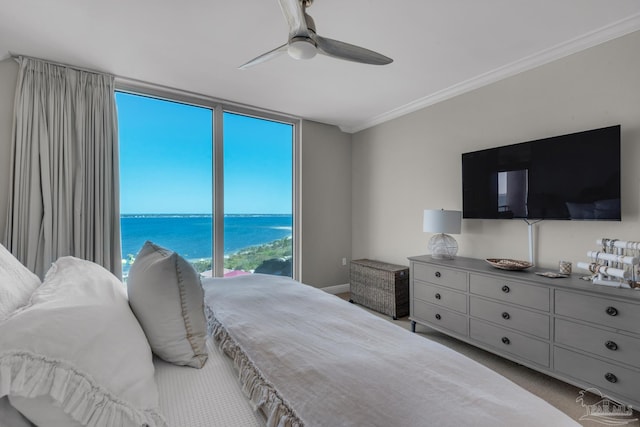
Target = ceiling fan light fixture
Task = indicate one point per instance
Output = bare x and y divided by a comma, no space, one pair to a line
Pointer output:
301,49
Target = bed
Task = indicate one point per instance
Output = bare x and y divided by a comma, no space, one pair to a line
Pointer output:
305,357
172,349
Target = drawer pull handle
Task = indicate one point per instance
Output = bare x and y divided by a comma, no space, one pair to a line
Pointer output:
438,296
438,274
438,316
506,316
610,377
612,311
505,289
506,340
611,345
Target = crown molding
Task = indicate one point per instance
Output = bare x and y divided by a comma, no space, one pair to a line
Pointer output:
586,41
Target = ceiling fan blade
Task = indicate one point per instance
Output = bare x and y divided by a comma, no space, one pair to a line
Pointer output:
294,13
264,57
350,52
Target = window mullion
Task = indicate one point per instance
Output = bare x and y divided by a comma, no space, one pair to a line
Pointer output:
218,193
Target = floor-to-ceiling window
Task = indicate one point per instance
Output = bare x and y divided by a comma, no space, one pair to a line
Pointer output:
165,177
258,196
212,184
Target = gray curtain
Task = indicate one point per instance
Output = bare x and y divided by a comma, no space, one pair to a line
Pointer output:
64,195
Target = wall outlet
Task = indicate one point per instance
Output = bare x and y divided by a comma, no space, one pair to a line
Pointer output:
344,261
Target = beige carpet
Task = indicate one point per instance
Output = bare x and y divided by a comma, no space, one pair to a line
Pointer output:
560,394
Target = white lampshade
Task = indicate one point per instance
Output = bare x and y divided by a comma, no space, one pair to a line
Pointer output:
441,245
441,221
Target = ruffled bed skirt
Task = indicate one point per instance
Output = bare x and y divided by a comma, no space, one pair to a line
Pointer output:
30,375
261,394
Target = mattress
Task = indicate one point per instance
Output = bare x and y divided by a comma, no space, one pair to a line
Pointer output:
206,397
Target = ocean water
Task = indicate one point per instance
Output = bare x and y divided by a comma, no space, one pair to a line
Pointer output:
190,235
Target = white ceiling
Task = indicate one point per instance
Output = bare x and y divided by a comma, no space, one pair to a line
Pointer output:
440,48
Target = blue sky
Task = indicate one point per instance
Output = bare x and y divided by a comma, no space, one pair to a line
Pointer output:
166,159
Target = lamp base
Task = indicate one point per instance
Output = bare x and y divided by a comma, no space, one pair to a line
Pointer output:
443,246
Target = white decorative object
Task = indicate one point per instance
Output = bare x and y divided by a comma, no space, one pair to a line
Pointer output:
604,256
604,269
615,264
441,245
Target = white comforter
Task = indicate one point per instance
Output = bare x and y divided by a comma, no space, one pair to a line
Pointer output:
310,358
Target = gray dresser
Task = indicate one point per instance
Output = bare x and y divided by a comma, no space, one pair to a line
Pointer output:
571,329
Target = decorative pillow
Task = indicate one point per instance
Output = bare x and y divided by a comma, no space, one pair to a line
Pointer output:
17,283
76,354
165,294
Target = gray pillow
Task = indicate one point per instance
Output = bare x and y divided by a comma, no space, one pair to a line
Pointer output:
165,294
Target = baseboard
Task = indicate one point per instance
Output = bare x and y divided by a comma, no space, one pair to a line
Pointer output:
337,289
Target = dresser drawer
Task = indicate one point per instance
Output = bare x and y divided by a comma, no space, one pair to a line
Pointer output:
508,341
514,292
605,376
440,276
611,345
603,311
511,316
440,296
440,317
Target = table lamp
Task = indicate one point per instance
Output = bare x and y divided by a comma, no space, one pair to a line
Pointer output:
441,245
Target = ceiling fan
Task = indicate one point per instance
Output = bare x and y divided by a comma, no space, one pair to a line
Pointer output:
305,43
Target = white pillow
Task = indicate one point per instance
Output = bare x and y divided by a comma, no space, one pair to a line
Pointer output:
76,353
17,283
165,294
42,411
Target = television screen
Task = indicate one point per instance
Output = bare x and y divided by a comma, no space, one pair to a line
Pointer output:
568,177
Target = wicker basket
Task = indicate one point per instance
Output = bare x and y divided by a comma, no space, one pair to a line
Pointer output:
380,286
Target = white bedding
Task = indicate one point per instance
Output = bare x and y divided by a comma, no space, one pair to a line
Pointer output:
207,397
309,358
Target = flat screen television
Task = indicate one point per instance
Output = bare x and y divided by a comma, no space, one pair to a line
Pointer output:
568,177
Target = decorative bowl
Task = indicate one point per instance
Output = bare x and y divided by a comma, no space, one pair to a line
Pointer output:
509,264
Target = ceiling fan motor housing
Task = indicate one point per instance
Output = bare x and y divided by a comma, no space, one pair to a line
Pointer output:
301,48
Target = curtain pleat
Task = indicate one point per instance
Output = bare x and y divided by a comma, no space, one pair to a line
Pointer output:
64,198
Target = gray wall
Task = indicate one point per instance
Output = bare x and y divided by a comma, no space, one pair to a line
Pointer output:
412,163
326,204
326,190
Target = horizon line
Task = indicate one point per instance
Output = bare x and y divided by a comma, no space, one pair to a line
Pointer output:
199,214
